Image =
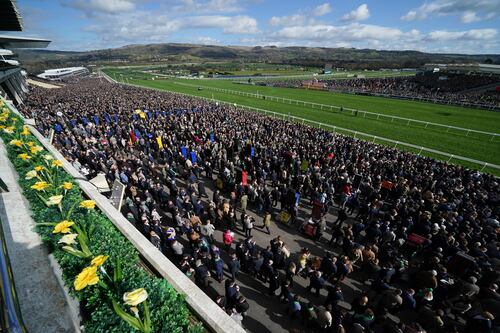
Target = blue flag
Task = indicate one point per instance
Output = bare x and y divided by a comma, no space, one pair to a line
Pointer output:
96,120
212,138
106,118
252,151
137,133
297,198
85,121
193,157
184,151
115,118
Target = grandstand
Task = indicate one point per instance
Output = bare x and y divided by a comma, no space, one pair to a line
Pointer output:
60,74
467,69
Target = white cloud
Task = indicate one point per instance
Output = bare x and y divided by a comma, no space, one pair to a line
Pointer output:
322,9
303,17
351,32
209,6
467,9
91,7
206,40
240,24
291,20
381,37
359,14
469,17
142,27
474,34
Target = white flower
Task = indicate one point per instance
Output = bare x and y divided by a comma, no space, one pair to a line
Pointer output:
54,200
31,174
68,239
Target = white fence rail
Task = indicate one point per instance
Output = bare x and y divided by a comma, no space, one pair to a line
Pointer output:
362,113
336,129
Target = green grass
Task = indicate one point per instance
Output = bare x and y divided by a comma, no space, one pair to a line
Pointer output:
452,142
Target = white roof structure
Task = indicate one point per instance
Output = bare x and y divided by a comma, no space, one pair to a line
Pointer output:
62,73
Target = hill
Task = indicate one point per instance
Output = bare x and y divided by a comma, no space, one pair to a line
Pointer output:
37,60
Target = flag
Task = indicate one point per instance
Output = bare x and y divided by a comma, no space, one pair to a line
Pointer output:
193,157
184,151
252,151
212,137
96,120
137,133
244,175
160,143
133,138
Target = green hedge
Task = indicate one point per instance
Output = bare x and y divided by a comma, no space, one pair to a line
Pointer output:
169,311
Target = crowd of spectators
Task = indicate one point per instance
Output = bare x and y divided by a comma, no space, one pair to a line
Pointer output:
421,235
435,87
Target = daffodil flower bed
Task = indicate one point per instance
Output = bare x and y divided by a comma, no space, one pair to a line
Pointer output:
100,267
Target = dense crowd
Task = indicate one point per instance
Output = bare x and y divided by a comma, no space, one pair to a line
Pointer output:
453,89
422,235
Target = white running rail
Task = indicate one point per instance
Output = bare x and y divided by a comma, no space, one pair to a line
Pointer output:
363,113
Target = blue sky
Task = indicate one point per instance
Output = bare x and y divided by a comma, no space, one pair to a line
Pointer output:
461,26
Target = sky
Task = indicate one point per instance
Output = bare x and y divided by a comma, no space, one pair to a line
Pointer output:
449,26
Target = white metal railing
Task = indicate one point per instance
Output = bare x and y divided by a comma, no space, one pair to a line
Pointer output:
334,128
408,121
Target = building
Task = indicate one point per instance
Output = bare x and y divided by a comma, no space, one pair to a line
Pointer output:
12,77
60,74
467,69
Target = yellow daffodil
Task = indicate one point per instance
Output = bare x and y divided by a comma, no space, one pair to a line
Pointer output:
63,227
17,143
48,157
2,126
24,156
99,260
87,204
39,168
35,149
30,143
135,297
9,130
68,239
54,200
56,163
14,120
67,185
31,174
25,131
87,277
40,186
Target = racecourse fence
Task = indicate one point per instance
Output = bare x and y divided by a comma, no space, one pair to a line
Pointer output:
362,113
336,129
